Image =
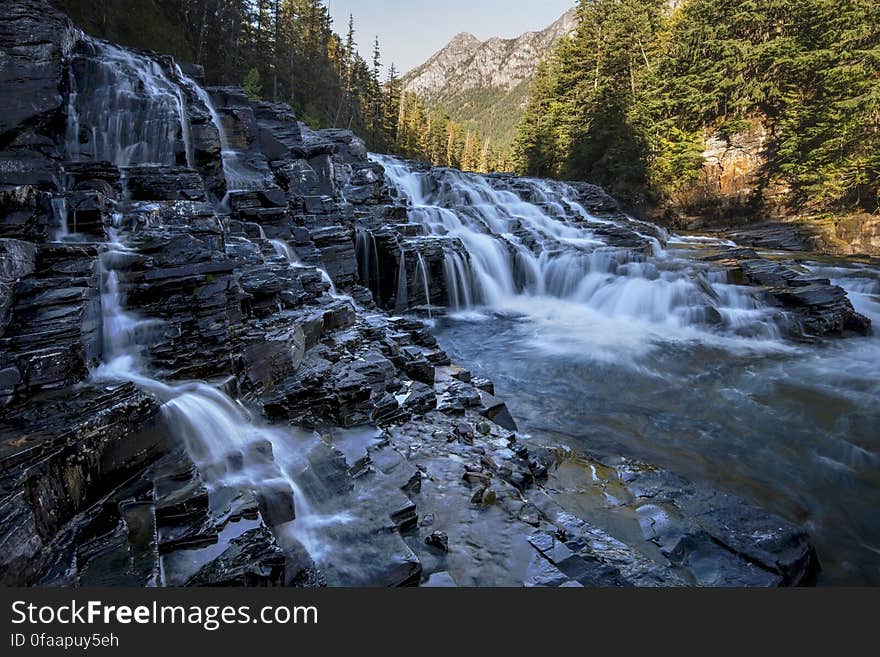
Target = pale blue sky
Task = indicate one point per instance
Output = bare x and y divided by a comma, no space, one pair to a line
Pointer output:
410,31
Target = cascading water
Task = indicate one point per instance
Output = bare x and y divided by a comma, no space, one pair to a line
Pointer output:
122,108
503,253
457,276
283,250
423,271
59,211
402,295
235,172
229,448
628,347
125,109
367,254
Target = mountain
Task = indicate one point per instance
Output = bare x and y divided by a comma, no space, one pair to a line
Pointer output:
486,83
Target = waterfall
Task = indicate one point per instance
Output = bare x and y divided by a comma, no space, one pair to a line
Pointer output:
185,127
122,108
401,299
235,172
59,211
452,284
550,248
231,450
457,279
376,265
283,250
367,254
424,274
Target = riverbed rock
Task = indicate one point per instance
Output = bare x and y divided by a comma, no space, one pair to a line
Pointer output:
820,308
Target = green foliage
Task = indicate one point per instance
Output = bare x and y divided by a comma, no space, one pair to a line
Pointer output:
433,137
143,24
252,85
627,101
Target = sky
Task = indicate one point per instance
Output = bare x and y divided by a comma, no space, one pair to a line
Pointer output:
410,31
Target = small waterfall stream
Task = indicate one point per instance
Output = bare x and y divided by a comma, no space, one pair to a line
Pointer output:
367,254
426,288
402,294
59,211
229,447
236,173
123,108
283,250
646,349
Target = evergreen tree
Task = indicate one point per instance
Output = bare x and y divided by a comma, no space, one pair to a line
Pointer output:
252,86
628,100
391,105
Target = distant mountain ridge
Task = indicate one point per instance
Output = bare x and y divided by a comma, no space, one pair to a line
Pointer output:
486,83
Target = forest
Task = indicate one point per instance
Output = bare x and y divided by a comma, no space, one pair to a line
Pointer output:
628,101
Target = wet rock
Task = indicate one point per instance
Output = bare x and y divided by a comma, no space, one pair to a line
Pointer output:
458,397
276,502
58,457
164,184
252,559
273,356
542,573
405,516
17,259
496,410
439,540
25,213
484,496
821,309
464,431
420,398
34,38
439,580
483,384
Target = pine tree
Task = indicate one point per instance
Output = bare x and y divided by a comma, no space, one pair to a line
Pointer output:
391,105
252,85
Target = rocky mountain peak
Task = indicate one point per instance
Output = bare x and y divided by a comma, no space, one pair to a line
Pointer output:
467,63
485,83
463,41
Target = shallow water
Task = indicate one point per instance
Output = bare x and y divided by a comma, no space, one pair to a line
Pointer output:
794,428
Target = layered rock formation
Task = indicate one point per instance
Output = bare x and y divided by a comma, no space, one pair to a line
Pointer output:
252,254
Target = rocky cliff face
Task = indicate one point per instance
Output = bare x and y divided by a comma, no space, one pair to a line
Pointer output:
486,82
200,384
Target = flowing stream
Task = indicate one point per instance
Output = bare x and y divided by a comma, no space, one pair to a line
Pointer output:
659,358
132,113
